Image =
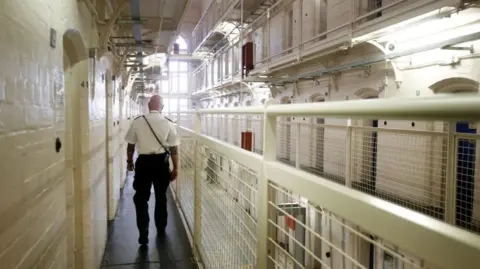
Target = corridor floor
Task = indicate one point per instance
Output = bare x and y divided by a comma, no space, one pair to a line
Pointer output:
123,251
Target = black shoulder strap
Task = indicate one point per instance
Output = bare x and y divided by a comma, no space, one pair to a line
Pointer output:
166,150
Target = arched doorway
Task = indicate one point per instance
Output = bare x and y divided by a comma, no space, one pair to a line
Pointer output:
466,155
75,67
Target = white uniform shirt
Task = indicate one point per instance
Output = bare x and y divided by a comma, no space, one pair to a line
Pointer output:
146,143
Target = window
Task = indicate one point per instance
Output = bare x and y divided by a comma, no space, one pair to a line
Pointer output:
177,66
183,104
166,105
173,105
182,83
182,67
164,86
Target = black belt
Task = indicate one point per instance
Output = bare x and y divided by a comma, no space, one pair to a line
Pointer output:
161,156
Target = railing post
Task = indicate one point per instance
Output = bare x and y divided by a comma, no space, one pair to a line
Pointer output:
177,181
197,203
352,18
268,39
300,30
264,248
348,183
451,170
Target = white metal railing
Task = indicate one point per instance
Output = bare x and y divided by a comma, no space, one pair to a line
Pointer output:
278,36
247,210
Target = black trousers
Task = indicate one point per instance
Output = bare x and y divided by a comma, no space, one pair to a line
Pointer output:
151,169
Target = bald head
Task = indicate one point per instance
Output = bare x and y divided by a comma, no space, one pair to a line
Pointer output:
155,103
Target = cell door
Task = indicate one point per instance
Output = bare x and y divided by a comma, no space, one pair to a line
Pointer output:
374,141
320,139
465,174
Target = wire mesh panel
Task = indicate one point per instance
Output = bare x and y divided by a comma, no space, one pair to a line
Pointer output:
228,206
404,167
285,141
231,128
467,179
185,184
232,121
306,235
256,127
187,120
224,127
323,149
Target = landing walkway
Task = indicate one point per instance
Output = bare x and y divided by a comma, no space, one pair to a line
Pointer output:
123,250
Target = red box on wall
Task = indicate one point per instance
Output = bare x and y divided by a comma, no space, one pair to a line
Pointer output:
290,222
247,58
247,141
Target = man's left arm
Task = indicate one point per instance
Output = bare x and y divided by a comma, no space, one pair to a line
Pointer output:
174,152
173,141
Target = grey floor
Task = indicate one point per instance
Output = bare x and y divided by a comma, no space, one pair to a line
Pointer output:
123,251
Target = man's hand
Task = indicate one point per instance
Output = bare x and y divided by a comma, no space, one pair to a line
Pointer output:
130,166
130,151
174,174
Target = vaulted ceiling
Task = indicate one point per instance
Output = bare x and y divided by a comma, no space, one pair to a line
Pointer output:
135,29
147,27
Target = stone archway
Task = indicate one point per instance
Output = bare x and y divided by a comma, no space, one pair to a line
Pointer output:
285,100
74,50
366,93
455,85
75,71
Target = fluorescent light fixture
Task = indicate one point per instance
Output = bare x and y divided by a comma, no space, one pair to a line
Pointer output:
432,15
431,27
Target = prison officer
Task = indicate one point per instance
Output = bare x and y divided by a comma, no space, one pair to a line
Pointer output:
156,141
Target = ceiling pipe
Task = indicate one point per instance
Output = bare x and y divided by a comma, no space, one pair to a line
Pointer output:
111,23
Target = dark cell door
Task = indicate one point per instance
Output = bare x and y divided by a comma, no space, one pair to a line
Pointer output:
320,145
465,174
373,175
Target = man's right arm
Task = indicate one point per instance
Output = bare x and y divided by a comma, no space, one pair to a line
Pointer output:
131,139
130,151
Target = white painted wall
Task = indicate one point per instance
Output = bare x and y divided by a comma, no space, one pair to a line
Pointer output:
40,101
